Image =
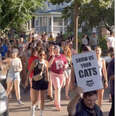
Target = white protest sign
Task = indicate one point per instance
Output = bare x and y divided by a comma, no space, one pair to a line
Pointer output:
87,71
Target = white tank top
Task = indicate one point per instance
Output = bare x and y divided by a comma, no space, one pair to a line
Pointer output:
100,65
15,63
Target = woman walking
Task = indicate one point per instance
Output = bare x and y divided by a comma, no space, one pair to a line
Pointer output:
103,74
50,87
67,53
57,65
13,76
39,81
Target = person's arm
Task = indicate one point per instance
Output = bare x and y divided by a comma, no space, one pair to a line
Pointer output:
51,61
20,65
71,108
72,83
46,69
108,43
7,60
105,74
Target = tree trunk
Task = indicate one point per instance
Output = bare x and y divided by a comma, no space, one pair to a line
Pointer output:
76,25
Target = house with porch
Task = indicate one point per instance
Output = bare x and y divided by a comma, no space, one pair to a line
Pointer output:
49,19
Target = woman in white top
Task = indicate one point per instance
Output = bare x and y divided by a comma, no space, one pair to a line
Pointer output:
68,54
103,74
13,76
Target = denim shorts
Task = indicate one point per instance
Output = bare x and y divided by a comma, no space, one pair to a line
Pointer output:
13,76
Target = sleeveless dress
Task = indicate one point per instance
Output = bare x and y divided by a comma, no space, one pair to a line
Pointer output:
41,84
100,65
68,70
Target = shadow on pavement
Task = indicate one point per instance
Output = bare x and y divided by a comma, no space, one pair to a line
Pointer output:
19,109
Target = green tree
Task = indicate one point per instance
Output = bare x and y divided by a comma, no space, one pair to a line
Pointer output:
14,14
91,12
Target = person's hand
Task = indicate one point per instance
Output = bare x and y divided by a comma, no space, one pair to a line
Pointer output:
72,86
26,83
106,84
78,90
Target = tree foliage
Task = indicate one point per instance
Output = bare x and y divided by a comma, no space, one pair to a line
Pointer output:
91,12
14,14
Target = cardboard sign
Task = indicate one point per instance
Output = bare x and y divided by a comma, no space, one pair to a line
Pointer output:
87,71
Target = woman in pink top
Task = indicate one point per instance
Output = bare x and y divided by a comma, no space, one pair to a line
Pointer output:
57,65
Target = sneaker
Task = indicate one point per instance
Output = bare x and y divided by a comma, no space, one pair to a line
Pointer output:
37,107
50,98
33,111
20,102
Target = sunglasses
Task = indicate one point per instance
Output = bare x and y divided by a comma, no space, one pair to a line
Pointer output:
42,54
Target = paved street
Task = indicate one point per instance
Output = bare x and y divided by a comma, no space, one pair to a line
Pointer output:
24,110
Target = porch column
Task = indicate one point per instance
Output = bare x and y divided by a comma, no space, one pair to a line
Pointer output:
52,23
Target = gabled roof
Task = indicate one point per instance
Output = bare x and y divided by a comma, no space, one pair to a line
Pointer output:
49,8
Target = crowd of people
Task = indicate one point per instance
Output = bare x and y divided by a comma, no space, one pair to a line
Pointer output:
45,64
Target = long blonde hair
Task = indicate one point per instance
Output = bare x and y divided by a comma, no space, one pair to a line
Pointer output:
68,51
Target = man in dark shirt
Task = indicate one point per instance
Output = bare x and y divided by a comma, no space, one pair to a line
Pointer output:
111,76
85,106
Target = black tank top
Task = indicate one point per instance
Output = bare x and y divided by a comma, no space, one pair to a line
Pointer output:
38,68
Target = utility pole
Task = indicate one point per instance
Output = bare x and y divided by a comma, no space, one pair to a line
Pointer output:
76,16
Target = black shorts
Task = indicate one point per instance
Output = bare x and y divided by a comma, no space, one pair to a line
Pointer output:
40,85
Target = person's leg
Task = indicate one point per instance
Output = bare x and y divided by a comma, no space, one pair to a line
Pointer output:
56,84
35,94
57,90
100,96
34,99
60,81
50,93
67,88
30,81
39,100
17,89
42,96
9,86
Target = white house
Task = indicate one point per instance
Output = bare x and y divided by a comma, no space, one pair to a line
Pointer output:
49,19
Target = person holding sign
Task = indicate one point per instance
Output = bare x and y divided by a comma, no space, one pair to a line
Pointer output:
85,106
103,74
73,82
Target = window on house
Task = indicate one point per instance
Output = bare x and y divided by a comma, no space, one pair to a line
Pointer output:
33,21
57,21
